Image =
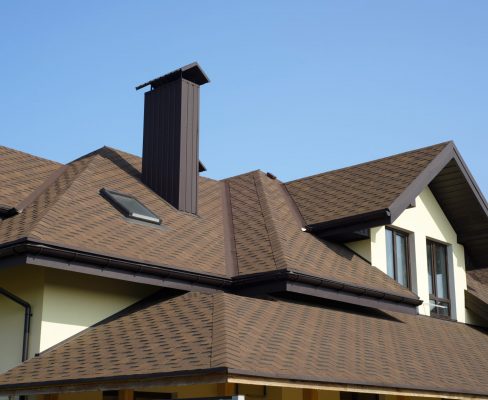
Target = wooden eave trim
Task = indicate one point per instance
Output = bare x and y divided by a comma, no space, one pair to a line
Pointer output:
242,377
178,378
223,375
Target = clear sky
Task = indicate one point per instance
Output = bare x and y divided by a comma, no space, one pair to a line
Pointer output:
297,87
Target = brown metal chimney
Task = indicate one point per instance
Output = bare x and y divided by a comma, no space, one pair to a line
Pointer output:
170,163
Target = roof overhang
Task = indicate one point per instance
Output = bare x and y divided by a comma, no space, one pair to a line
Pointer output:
455,190
48,255
223,375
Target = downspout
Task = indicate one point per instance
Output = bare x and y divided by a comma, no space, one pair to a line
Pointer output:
27,318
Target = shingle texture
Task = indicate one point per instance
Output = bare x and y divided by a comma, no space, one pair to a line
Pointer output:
359,189
21,174
266,234
477,283
271,338
72,213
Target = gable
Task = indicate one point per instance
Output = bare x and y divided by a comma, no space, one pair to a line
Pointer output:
341,204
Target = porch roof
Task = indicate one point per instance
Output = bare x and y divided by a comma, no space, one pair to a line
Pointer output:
197,334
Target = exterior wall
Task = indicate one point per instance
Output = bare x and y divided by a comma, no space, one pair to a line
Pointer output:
361,247
29,289
63,304
72,302
424,221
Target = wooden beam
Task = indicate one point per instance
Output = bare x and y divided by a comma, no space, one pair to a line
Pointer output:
226,389
310,394
349,388
126,394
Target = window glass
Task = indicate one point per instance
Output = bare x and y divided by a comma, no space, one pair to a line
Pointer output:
401,258
441,271
389,253
130,206
438,279
429,266
397,256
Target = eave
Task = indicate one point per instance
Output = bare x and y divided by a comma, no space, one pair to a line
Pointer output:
455,190
225,375
33,252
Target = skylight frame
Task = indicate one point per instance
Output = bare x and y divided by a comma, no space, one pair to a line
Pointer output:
110,195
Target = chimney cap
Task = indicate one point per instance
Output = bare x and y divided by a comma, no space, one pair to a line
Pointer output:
191,72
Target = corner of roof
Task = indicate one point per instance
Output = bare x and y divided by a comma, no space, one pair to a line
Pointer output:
447,152
441,144
252,172
24,153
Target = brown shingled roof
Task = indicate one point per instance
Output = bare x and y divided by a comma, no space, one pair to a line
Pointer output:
360,189
268,237
265,338
21,174
70,213
477,282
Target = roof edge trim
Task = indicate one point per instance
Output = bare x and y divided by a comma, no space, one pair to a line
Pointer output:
41,253
67,385
235,376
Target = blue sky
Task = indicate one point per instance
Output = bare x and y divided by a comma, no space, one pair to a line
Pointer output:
296,87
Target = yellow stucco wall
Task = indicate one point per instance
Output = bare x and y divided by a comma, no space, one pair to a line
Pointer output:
63,304
25,282
424,221
73,302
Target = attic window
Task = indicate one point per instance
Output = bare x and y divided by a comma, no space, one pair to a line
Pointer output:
130,206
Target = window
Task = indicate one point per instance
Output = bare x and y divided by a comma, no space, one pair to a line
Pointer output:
438,280
397,262
130,206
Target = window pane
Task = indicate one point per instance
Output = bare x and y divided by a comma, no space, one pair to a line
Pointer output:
132,205
429,266
389,253
439,308
441,271
401,259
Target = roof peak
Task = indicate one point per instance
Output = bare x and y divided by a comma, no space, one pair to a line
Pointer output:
443,144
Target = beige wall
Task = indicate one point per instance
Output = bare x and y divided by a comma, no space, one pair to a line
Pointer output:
424,221
63,304
25,282
73,302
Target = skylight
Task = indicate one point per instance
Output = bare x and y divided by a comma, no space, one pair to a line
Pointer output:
130,206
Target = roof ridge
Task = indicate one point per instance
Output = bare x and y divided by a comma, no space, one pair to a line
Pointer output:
276,246
30,155
241,175
369,162
67,169
220,345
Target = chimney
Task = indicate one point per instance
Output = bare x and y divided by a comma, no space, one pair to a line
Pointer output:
170,163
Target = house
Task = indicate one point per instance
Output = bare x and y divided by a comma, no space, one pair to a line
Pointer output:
136,278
